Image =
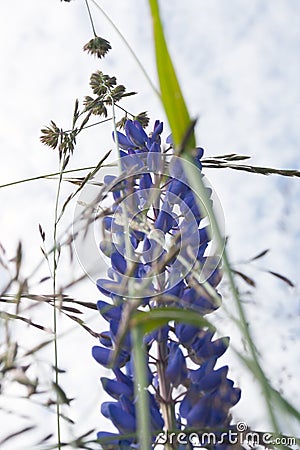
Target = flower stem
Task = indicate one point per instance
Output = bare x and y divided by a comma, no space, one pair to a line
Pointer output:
55,264
141,392
165,392
140,362
91,19
129,48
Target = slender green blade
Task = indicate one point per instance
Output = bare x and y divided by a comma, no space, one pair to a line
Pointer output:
159,317
180,123
171,94
141,392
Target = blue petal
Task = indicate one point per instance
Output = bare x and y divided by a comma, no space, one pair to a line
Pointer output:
189,199
216,276
197,157
109,287
213,349
125,423
159,335
145,181
109,312
120,376
155,148
152,251
104,409
177,188
176,170
146,244
158,129
107,222
130,371
199,415
206,368
208,412
203,236
229,394
190,205
109,439
192,300
106,287
218,418
169,139
105,339
116,388
164,221
126,343
190,399
205,336
189,297
235,396
114,274
176,290
127,404
118,262
199,152
204,306
213,379
157,421
176,371
103,356
124,142
108,179
186,333
135,133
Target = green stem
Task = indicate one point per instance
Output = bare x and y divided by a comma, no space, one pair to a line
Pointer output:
48,175
140,361
165,392
90,17
140,385
129,48
55,264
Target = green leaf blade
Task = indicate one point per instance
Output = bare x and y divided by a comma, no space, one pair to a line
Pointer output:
171,94
158,317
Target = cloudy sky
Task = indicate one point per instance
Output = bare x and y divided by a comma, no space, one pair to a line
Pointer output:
239,66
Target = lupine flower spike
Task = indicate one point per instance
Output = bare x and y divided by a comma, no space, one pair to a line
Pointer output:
169,242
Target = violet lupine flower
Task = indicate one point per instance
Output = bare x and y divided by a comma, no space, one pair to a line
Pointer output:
167,236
